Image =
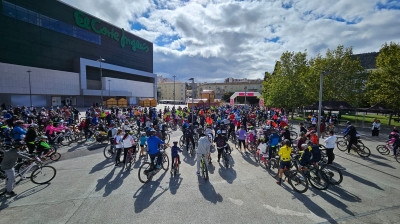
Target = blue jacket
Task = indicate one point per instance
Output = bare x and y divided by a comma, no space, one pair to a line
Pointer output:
174,151
152,144
274,139
18,133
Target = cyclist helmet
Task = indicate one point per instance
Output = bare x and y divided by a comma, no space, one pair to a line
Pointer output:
43,137
262,139
286,127
175,142
286,142
219,132
19,122
33,126
348,123
304,146
394,133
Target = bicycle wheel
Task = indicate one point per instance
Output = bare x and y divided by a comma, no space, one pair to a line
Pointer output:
397,157
226,160
293,135
55,156
167,138
191,150
257,157
143,175
181,141
165,161
108,152
63,141
342,145
128,161
273,168
237,144
333,173
318,179
382,149
43,174
363,151
204,170
298,181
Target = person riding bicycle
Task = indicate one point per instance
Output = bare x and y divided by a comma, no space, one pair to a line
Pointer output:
353,139
43,147
315,152
189,137
395,141
286,134
221,142
7,165
305,156
175,153
17,131
30,137
273,142
262,147
152,143
284,153
203,148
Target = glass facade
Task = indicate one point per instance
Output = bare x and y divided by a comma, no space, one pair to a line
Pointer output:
29,16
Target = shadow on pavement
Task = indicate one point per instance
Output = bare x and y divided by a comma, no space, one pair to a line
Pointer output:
5,200
187,158
379,157
101,165
309,204
116,183
342,193
249,158
362,180
144,196
208,191
104,181
227,174
174,183
333,201
96,146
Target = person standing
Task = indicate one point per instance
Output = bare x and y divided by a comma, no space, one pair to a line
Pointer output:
376,127
330,145
203,148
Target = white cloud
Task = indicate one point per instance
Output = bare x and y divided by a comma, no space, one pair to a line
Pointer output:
229,38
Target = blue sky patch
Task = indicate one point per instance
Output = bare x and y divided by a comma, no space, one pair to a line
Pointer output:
275,39
165,39
287,5
391,5
136,26
348,22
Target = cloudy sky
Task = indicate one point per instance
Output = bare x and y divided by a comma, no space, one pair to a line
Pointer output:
212,40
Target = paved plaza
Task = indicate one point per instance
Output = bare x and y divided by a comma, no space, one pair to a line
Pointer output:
89,189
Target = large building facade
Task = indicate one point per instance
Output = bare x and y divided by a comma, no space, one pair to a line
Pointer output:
166,92
50,54
231,85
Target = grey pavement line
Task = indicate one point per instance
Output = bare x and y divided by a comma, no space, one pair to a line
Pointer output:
361,214
370,167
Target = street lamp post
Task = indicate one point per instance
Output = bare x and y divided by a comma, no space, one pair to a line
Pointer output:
245,95
192,79
30,88
101,77
109,88
320,104
174,89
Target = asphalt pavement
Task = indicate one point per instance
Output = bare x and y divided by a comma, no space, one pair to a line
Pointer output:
89,189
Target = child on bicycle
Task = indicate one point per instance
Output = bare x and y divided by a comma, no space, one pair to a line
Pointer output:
143,140
175,153
42,147
284,154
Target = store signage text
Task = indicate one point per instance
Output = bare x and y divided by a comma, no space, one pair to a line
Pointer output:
94,24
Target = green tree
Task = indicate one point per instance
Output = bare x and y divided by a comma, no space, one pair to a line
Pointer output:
383,85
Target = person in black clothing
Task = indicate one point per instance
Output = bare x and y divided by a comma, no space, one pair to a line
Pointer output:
302,128
221,143
189,137
30,137
286,134
352,133
231,129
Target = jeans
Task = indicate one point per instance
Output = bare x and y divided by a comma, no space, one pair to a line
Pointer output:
153,157
10,179
271,151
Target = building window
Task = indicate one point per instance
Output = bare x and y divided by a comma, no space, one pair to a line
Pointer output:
22,14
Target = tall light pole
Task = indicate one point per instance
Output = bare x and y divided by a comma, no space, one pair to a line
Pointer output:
109,88
192,79
245,95
320,104
101,77
30,88
174,89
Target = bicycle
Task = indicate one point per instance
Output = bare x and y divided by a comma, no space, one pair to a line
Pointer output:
384,149
203,168
360,148
147,170
225,155
175,167
296,179
130,158
41,174
109,151
261,158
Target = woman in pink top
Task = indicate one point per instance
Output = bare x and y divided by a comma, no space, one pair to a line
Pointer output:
50,129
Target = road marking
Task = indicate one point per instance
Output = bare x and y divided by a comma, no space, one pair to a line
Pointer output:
236,201
282,211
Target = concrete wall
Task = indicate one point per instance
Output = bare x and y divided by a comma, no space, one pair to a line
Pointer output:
14,79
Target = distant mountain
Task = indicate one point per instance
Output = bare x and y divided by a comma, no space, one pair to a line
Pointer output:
367,60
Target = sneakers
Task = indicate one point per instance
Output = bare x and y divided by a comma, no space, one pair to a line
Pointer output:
179,162
11,193
347,153
279,183
198,173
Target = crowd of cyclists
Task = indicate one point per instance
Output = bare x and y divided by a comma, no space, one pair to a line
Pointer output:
267,134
